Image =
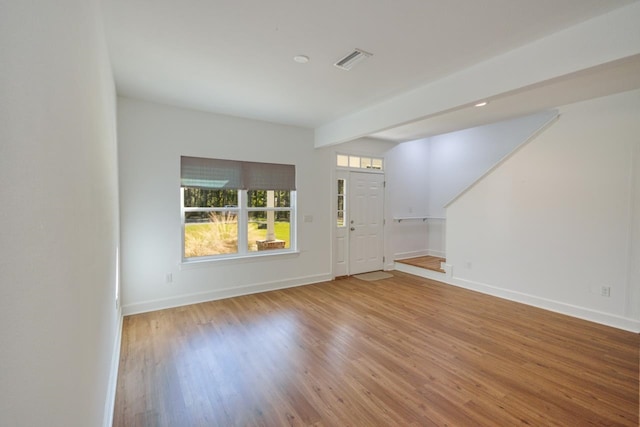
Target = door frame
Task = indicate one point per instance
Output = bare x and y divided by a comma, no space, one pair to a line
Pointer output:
340,250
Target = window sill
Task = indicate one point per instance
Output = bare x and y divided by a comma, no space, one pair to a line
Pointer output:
241,259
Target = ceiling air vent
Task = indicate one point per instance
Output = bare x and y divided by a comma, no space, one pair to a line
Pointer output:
352,59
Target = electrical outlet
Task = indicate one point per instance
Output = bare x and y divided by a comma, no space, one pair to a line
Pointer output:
605,291
168,278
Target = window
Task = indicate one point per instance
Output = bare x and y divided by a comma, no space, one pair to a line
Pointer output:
358,162
340,211
269,219
231,208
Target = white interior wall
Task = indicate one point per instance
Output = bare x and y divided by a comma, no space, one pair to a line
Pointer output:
633,278
361,146
558,220
458,159
424,175
152,138
59,216
406,195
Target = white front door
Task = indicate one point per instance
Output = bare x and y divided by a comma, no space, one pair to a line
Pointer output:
365,225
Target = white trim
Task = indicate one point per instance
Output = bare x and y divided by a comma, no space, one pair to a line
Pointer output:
206,262
423,218
381,249
361,156
389,266
588,314
416,254
110,401
551,305
242,211
212,295
439,254
339,174
412,254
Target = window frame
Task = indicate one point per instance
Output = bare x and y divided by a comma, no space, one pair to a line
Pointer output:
290,209
242,212
341,196
367,163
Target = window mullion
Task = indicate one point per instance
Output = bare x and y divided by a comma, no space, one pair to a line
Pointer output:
182,219
293,242
243,220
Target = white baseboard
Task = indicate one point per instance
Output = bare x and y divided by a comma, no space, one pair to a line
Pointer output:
412,254
591,315
110,401
416,254
439,254
195,298
607,319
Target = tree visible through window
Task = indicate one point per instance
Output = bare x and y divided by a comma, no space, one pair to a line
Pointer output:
210,222
222,221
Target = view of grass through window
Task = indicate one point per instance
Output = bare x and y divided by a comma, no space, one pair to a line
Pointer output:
222,222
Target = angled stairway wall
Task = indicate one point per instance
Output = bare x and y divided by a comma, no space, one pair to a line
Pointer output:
557,221
424,175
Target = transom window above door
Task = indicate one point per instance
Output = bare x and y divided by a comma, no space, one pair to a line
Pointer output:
359,162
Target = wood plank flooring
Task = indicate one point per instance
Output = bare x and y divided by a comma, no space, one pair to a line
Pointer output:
428,262
403,351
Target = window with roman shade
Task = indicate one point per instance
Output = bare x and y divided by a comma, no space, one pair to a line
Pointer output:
236,208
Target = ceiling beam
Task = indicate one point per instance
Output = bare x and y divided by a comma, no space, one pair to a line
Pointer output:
609,37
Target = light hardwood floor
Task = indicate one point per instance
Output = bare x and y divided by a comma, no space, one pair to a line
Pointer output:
404,351
428,262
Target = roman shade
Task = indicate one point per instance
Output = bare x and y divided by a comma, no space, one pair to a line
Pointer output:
201,172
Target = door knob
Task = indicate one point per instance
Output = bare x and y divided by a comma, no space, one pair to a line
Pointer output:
353,229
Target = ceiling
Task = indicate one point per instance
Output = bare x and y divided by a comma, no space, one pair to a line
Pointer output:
236,57
614,77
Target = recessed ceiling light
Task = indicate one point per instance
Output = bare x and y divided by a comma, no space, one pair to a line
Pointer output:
481,104
301,59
